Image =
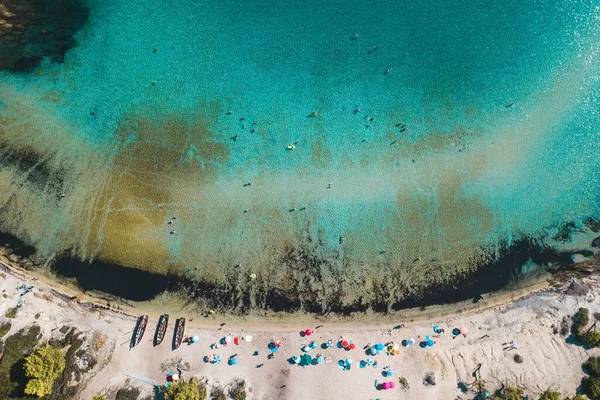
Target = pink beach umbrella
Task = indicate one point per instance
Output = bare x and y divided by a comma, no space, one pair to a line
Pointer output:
385,385
463,330
308,332
392,384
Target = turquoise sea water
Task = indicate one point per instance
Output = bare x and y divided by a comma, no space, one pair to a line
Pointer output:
467,173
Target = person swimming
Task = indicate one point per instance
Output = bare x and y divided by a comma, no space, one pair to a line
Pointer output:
373,49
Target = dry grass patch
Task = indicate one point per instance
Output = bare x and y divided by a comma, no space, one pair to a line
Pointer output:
99,340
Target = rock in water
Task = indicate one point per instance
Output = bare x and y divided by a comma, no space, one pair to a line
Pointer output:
596,242
32,29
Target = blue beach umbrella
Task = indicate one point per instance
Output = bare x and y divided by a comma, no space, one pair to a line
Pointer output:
379,346
429,343
233,361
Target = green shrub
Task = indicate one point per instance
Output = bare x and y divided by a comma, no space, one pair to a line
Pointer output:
580,321
550,395
184,391
98,397
42,368
511,393
128,394
4,329
592,366
12,377
580,397
591,386
11,313
217,393
238,390
592,338
37,315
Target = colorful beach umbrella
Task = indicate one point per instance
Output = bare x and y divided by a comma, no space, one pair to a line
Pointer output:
194,339
385,385
392,384
351,346
308,332
463,330
344,343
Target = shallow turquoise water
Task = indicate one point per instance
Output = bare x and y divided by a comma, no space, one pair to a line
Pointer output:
468,172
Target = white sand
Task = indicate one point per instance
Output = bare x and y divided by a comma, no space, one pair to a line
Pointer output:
549,360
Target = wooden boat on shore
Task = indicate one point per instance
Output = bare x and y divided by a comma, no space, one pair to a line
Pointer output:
178,334
139,330
161,329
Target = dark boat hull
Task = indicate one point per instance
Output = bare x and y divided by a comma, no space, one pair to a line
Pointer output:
139,330
161,329
179,332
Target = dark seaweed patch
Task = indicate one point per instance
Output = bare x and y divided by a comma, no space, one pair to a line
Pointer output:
33,29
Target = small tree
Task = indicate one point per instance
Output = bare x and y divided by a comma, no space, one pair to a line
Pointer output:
592,338
511,393
591,386
580,397
592,366
98,397
550,395
580,320
238,390
42,368
185,391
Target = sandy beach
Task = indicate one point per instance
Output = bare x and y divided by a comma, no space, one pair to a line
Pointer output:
548,360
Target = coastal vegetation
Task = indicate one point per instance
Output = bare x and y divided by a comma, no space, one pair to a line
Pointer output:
550,394
127,394
4,328
12,379
238,390
11,313
511,393
591,383
580,320
43,368
182,390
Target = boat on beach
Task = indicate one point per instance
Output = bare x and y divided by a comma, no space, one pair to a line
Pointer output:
139,330
178,334
161,329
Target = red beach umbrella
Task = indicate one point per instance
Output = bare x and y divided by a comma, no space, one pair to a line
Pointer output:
352,346
308,332
344,343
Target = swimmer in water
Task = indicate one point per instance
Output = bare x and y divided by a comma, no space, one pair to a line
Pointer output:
387,71
373,49
313,114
